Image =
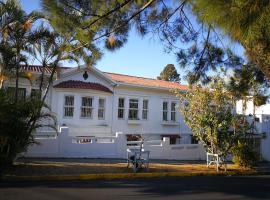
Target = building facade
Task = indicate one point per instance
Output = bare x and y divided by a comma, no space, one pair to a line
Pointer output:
100,114
95,103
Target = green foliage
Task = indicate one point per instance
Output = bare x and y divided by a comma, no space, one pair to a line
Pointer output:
192,29
169,73
91,24
245,21
18,123
210,115
244,155
249,84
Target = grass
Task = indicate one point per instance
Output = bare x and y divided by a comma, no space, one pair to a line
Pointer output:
64,168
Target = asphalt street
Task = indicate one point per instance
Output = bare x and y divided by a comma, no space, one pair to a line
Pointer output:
186,188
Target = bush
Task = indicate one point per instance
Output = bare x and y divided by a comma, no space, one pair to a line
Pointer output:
18,122
244,155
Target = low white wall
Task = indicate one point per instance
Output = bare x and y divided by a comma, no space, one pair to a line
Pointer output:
111,147
164,150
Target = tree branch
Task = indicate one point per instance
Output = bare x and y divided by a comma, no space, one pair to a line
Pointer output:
108,13
117,27
84,13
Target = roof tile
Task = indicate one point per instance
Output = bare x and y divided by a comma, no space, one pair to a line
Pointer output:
82,85
145,81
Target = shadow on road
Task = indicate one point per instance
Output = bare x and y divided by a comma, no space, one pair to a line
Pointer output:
254,187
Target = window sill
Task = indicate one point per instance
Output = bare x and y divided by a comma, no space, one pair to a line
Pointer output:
170,123
134,121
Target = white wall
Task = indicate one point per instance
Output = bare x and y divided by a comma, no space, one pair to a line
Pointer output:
153,125
63,146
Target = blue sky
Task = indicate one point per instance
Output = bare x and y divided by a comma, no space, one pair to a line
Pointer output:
139,57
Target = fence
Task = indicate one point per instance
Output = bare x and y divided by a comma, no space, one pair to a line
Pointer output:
65,146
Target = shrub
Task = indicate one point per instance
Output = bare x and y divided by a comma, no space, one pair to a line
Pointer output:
18,122
244,155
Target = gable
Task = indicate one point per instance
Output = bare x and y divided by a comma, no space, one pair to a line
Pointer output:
85,76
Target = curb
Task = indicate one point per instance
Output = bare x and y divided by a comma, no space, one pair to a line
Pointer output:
85,177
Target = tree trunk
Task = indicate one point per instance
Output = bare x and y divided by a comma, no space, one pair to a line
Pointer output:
1,83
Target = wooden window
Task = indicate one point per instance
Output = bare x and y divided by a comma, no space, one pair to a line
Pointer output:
87,107
133,109
21,93
121,108
69,106
101,108
173,111
165,111
145,109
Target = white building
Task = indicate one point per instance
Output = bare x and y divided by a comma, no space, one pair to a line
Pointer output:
105,103
99,112
262,123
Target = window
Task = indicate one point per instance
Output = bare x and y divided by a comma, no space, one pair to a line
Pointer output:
174,140
121,108
173,111
145,109
194,140
101,108
257,119
69,106
21,93
86,107
165,111
133,109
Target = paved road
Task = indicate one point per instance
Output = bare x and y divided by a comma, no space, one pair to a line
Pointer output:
185,188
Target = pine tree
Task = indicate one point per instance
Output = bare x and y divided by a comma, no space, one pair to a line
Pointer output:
244,21
198,44
169,73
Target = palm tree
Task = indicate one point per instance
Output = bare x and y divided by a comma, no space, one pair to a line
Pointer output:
15,29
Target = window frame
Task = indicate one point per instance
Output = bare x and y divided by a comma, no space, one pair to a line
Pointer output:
87,107
133,109
165,111
173,111
68,106
101,108
21,90
121,108
145,109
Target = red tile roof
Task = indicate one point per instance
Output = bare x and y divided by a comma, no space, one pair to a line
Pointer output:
38,68
82,85
145,81
120,78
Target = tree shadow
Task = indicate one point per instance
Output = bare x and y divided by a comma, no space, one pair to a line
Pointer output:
254,187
